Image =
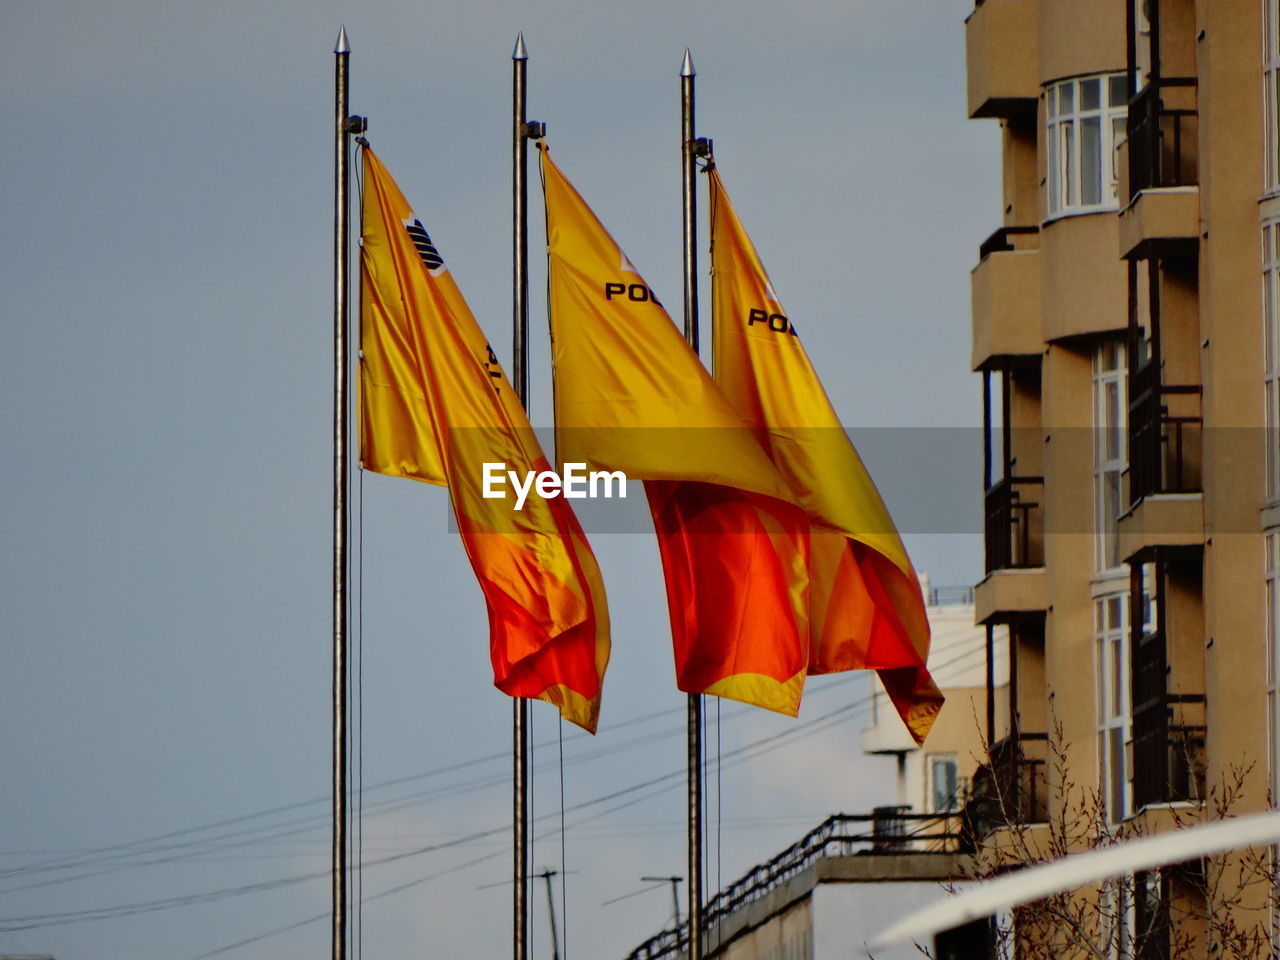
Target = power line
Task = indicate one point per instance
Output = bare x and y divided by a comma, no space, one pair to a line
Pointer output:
665,781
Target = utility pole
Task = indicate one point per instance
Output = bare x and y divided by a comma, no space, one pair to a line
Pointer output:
675,892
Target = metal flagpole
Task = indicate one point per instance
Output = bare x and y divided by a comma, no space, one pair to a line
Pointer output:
341,356
694,724
520,380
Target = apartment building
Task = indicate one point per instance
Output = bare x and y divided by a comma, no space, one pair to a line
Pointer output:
1125,325
935,778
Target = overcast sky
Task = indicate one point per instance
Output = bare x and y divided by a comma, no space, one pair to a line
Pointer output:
166,434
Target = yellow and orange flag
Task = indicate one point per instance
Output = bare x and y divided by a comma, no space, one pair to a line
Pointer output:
631,395
434,406
865,604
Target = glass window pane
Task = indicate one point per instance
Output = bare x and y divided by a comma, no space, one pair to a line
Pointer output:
1111,504
1273,435
1069,193
1119,135
1115,609
1091,160
1115,805
1273,118
1117,92
1051,103
1269,319
1066,97
1090,94
1117,688
1269,135
1268,38
1111,425
1272,34
1055,178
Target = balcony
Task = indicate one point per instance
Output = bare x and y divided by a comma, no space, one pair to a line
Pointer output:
1014,588
1165,435
890,844
1162,217
1000,50
1005,297
1084,284
1168,722
1163,129
1010,789
1015,524
1168,747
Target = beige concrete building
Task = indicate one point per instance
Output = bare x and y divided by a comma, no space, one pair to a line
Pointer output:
840,884
1125,326
935,778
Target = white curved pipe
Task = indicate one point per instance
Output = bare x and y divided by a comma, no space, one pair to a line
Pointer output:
1077,869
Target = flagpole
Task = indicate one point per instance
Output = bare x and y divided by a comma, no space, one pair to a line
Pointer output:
694,723
341,388
520,380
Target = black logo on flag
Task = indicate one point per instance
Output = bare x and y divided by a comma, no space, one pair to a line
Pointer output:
426,249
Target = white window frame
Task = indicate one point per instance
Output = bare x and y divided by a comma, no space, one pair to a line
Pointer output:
1110,451
1271,352
1111,619
1064,147
1271,96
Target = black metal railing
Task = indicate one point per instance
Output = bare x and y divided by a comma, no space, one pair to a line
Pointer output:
1014,523
950,596
1168,731
1162,137
1011,787
887,831
1164,446
1001,242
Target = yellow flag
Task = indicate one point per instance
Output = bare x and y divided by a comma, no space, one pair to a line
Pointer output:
435,406
866,607
631,395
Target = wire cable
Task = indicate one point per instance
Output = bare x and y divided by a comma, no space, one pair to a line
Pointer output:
662,783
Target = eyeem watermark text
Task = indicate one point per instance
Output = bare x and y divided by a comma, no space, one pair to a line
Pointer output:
575,484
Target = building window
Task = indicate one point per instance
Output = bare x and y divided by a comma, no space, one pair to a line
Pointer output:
1110,410
1085,120
1273,661
1271,93
1271,350
944,783
1111,614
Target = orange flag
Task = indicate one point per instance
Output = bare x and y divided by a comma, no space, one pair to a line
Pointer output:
631,395
865,605
435,406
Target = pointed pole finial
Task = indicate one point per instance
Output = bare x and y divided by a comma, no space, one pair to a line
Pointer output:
520,52
342,46
686,68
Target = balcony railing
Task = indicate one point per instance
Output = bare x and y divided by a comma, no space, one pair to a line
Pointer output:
1010,788
1168,732
1162,138
889,830
1164,447
1015,523
1002,241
